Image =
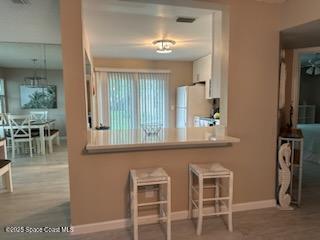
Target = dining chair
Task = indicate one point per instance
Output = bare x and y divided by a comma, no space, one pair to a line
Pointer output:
20,131
3,123
4,131
39,115
50,135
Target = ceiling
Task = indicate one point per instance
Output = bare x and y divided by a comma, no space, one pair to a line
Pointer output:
303,36
36,22
121,29
20,55
21,25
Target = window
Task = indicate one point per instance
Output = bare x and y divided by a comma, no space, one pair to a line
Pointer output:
137,98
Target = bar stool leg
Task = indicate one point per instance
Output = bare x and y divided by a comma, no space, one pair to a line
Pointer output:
190,193
200,206
230,224
217,194
161,208
169,209
131,202
135,211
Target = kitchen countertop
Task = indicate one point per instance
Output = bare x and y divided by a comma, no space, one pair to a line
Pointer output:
207,118
175,138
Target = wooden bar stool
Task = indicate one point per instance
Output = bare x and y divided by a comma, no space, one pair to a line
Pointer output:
141,180
222,197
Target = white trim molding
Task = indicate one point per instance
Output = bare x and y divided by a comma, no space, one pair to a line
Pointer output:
175,216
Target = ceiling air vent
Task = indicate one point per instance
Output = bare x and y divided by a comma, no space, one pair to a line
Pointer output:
185,19
23,2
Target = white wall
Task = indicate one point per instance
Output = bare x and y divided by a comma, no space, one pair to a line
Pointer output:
15,77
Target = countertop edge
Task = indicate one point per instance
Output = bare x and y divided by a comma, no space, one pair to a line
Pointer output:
225,141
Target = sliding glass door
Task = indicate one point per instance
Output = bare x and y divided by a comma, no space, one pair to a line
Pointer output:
136,99
122,101
153,99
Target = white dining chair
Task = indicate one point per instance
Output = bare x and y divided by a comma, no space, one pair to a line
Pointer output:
20,131
50,135
39,115
4,131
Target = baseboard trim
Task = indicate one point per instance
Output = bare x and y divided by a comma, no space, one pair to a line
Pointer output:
239,207
181,215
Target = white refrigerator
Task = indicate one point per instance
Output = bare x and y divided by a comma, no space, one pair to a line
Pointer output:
191,102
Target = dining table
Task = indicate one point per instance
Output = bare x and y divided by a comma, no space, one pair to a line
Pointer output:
41,125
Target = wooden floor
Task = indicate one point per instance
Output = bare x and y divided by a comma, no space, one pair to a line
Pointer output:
41,198
41,194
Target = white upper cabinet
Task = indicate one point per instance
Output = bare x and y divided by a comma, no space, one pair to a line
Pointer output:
213,87
209,69
202,69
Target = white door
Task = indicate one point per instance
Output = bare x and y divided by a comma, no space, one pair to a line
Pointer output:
181,117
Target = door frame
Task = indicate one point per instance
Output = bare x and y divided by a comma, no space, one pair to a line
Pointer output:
296,71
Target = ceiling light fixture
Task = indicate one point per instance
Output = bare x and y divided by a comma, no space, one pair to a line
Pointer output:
164,46
37,79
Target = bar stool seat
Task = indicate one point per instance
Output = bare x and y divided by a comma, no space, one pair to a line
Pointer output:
208,170
150,175
221,198
139,180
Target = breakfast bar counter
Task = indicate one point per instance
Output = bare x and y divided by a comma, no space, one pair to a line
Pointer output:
108,141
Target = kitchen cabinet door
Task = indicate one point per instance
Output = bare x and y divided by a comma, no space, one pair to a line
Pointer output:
202,69
196,72
213,85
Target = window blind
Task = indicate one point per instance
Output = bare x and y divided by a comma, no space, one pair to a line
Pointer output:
137,98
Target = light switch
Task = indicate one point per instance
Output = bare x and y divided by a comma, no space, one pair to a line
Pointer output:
172,107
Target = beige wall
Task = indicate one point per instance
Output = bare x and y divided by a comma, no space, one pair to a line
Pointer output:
181,74
297,12
99,183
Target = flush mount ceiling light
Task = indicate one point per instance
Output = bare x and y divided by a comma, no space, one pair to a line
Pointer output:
164,46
